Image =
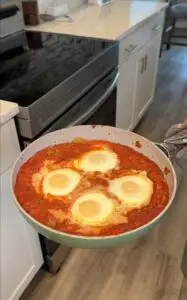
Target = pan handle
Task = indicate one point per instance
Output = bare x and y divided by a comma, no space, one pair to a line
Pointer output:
162,147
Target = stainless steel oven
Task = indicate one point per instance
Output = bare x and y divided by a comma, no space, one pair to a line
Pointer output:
98,106
58,81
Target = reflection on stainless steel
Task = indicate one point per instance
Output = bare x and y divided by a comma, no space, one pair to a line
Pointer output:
80,111
61,69
15,40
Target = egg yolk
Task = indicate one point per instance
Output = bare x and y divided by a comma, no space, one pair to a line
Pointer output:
97,158
101,160
130,188
134,191
58,181
89,208
92,208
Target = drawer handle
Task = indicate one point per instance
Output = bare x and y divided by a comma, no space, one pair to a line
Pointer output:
145,63
130,48
142,64
155,28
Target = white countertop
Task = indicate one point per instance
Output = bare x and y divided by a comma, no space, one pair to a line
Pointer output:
7,111
112,21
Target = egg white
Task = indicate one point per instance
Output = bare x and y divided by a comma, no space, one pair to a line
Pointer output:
97,161
60,182
38,177
134,191
105,205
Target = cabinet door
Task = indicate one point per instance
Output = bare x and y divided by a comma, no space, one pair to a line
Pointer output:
125,94
147,63
20,255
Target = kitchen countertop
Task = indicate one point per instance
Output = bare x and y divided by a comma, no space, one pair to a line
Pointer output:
112,21
7,111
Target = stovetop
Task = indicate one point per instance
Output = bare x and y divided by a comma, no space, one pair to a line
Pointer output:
34,63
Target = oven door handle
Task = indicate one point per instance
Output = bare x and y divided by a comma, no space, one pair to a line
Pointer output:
84,117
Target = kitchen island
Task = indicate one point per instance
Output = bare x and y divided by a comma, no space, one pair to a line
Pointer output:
113,21
20,254
138,27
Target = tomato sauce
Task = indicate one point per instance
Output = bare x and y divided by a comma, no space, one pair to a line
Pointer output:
38,207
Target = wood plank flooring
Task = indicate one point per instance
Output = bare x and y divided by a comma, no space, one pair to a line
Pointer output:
150,268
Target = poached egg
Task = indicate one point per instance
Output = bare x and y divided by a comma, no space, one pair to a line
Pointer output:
134,191
100,160
60,182
92,208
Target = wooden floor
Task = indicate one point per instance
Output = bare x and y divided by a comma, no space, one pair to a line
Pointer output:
148,269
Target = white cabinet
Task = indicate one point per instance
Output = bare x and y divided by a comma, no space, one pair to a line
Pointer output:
20,251
9,145
138,64
146,77
128,49
125,94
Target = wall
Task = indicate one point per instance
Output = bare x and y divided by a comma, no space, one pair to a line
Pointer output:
72,4
44,3
9,2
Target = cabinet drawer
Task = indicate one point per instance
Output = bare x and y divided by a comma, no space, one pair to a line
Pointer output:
9,147
129,45
152,27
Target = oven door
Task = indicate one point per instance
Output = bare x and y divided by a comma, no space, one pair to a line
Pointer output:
98,106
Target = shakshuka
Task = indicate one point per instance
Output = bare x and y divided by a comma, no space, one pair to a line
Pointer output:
91,188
